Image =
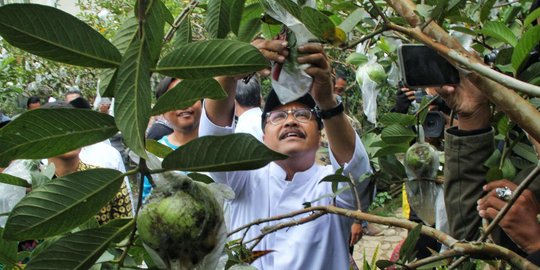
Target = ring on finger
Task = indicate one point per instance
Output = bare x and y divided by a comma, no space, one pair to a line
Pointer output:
504,194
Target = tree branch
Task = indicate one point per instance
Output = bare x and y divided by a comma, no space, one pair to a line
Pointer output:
439,257
366,37
178,21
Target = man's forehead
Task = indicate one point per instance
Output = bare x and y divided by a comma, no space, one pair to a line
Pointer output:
292,105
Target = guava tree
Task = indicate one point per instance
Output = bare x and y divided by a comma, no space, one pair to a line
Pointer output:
140,48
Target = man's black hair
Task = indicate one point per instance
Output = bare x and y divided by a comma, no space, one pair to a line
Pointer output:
32,100
73,91
272,102
340,73
80,103
249,94
163,86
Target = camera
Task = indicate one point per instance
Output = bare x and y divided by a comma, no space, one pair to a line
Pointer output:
434,124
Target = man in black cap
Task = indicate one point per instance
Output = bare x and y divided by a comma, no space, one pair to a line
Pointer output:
283,186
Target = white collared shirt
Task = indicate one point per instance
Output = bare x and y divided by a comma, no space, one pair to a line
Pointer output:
250,122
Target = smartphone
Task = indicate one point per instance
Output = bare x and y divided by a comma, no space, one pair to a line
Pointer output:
422,66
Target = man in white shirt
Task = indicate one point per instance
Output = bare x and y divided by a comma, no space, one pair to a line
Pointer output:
283,186
248,107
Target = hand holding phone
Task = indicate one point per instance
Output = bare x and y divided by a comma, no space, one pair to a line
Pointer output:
422,66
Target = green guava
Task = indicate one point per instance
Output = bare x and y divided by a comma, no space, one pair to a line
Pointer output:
421,161
375,72
181,222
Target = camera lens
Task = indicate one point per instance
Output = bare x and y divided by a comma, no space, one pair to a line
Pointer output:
434,124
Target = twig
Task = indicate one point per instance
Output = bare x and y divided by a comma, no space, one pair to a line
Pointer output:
129,244
380,12
366,37
277,227
178,21
439,257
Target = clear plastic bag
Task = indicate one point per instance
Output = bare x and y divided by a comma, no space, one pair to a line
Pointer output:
421,166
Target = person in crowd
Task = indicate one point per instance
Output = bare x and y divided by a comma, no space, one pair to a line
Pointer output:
185,124
72,94
33,102
104,105
248,107
160,126
101,154
283,186
468,196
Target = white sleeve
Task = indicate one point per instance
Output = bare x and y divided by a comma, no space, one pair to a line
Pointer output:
206,127
355,168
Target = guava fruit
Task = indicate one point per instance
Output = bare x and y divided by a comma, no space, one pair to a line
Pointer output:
375,72
181,220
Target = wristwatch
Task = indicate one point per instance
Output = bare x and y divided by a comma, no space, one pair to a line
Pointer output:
327,114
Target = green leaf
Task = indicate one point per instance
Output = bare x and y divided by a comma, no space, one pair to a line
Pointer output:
13,180
56,35
69,252
508,169
8,251
397,134
291,7
392,166
493,174
186,93
237,9
500,32
43,133
528,41
154,23
38,179
133,96
407,251
464,30
221,153
356,59
157,148
503,125
183,35
335,179
391,150
199,177
383,264
486,10
531,17
207,59
397,118
439,9
107,81
531,74
318,24
251,22
62,204
352,20
494,158
525,151
218,20
126,34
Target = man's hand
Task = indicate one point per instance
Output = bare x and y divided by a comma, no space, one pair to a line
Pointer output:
356,234
520,222
322,89
471,106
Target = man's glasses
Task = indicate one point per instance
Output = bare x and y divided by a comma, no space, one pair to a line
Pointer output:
301,115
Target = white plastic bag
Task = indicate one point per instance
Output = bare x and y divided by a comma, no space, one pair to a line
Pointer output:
10,195
293,82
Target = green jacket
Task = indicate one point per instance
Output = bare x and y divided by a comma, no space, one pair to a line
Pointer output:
464,177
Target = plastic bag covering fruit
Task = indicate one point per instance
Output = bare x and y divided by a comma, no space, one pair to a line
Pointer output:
181,221
421,165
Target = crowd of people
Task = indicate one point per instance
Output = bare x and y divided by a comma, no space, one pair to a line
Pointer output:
300,129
